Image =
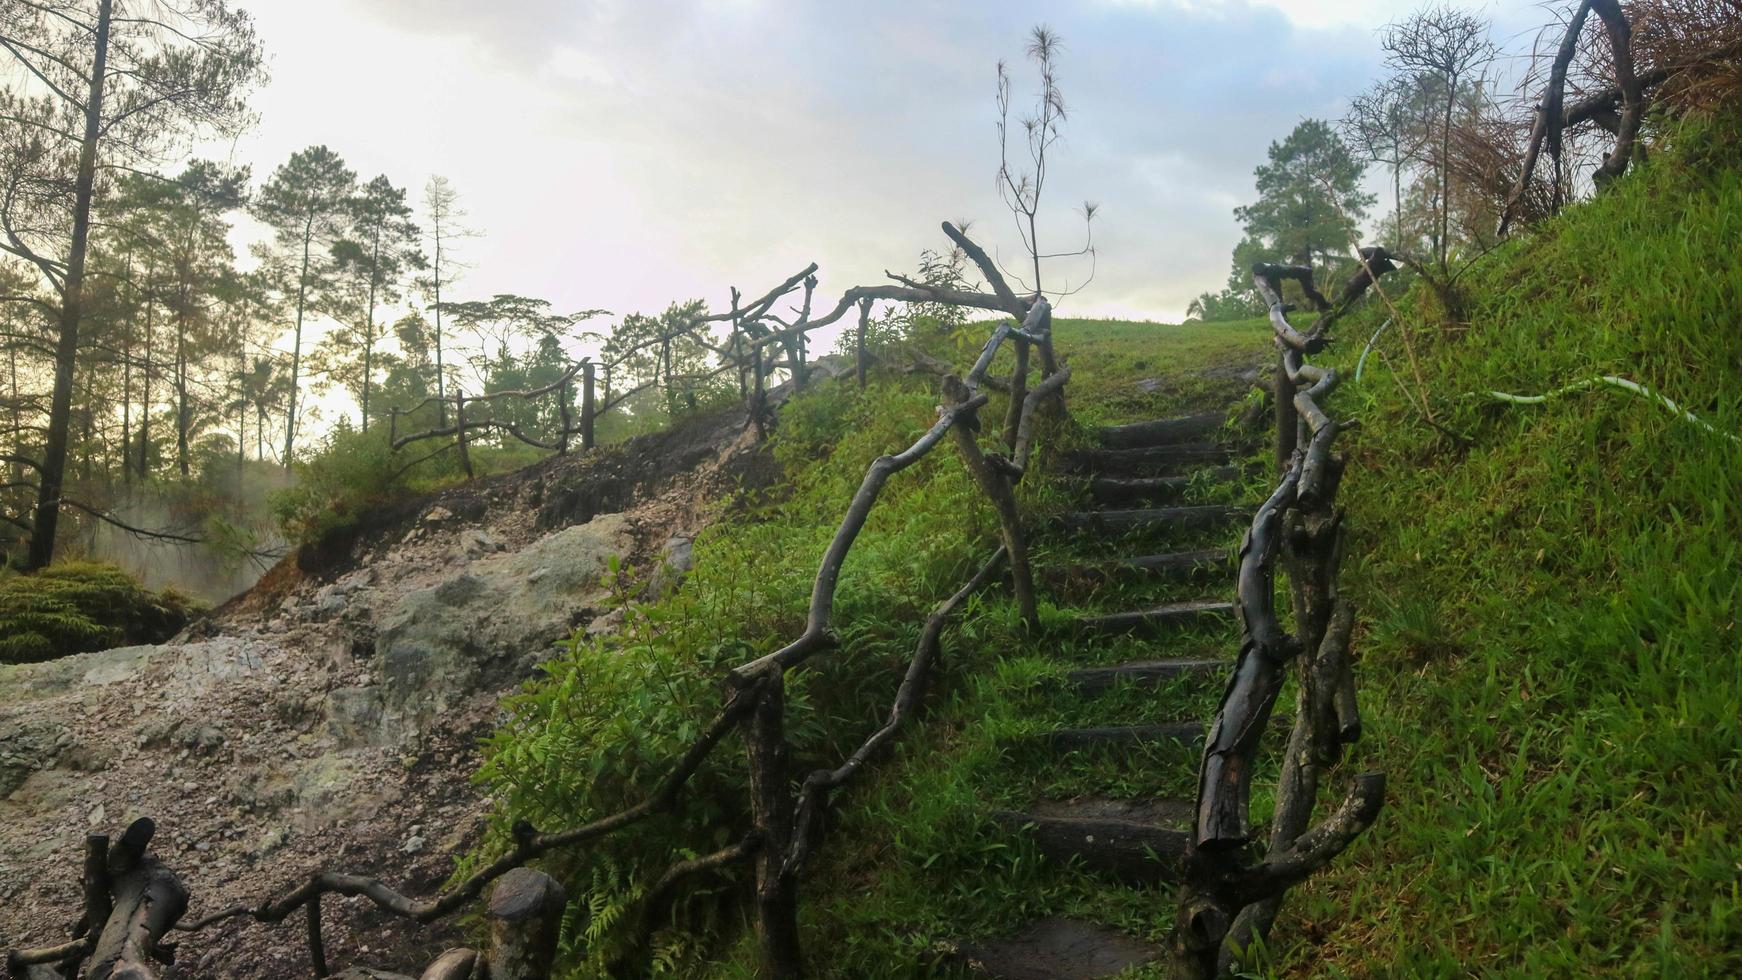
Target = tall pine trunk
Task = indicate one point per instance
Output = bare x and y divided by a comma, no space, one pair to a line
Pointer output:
54,456
145,383
369,328
296,345
127,387
182,415
441,385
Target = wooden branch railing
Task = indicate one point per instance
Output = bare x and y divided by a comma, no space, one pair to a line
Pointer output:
787,824
1227,902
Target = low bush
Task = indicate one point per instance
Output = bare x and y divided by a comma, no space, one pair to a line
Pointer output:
78,606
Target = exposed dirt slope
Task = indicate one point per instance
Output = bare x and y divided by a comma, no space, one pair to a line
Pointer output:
328,717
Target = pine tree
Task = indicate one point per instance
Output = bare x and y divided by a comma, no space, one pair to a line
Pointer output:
306,203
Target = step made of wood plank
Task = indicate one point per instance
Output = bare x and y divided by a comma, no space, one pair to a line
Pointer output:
1145,673
1153,461
1177,566
1082,738
1171,615
1058,948
1160,432
1195,518
1127,850
1159,812
1120,489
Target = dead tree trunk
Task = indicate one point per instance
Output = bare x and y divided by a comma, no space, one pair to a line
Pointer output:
997,489
1018,392
460,434
864,321
771,808
587,406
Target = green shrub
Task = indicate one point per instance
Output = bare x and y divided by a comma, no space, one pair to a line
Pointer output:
77,606
351,473
596,732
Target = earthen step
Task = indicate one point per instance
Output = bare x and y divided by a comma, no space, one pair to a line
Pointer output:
1160,432
1127,489
1143,673
1151,461
1169,616
1194,518
1160,812
1178,566
1082,738
1058,948
1131,850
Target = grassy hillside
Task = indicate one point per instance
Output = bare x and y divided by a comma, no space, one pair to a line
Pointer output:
596,734
1550,658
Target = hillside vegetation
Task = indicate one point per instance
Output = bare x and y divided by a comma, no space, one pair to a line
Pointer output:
1550,650
1548,640
76,606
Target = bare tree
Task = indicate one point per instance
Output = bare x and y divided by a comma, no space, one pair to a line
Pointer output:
1380,126
1443,51
446,224
1021,189
106,84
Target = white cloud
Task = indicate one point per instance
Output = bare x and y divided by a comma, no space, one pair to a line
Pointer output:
628,153
1314,14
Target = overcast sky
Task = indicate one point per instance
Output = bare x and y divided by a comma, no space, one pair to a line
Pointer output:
627,153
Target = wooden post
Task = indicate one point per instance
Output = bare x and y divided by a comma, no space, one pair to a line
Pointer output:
587,406
562,402
317,947
460,433
1286,418
147,900
771,809
526,917
864,321
997,488
1018,392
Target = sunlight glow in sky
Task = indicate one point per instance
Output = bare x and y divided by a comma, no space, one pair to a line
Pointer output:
629,153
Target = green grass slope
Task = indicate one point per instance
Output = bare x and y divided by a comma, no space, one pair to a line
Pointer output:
1550,661
1550,654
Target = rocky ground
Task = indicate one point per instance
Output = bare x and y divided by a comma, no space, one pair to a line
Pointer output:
328,718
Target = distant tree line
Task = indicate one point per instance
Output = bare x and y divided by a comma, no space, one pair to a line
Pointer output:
1452,131
136,347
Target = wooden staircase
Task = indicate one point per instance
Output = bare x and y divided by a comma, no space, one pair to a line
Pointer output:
1139,481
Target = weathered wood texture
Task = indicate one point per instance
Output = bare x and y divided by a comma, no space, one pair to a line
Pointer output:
1227,902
